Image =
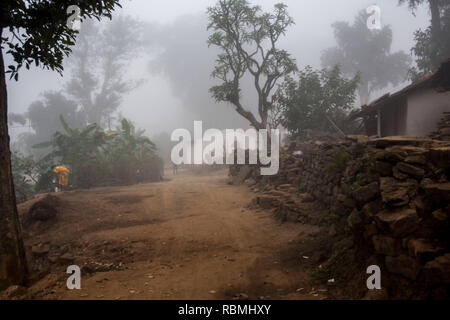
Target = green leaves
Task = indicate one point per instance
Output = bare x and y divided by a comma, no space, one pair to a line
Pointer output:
39,32
247,38
305,103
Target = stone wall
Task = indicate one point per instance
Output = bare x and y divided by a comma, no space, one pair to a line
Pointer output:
390,197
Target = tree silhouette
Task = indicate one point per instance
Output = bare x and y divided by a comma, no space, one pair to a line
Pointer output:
248,40
31,32
367,52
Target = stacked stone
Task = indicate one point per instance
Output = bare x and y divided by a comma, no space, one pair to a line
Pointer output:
443,132
394,195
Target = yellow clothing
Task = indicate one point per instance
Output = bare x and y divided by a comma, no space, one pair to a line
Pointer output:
63,175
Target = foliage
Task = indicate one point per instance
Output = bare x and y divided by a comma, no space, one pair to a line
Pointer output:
367,52
338,161
248,40
98,65
38,30
98,158
305,104
432,44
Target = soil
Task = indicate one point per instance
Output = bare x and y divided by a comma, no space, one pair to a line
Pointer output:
190,237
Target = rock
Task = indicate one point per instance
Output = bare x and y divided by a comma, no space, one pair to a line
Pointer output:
306,198
358,138
411,170
403,265
392,155
438,191
370,230
40,250
398,174
440,157
366,193
423,249
372,208
355,219
13,292
397,193
42,210
437,270
386,245
440,215
400,222
266,202
383,168
417,159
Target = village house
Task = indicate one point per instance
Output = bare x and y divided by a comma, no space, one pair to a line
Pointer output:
417,110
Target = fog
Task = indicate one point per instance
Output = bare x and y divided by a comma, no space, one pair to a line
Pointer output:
177,62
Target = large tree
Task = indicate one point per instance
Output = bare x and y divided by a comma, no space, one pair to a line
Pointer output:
248,40
432,44
98,64
367,52
33,31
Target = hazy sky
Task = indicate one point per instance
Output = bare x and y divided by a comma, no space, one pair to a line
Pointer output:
178,79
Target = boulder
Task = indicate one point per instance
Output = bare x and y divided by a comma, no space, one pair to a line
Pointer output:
437,270
411,170
440,157
397,193
386,245
383,168
403,265
42,210
423,249
400,222
366,193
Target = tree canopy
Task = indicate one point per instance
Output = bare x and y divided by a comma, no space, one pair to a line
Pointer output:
315,98
248,40
432,44
369,53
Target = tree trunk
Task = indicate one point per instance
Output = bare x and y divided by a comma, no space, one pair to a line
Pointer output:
435,30
12,254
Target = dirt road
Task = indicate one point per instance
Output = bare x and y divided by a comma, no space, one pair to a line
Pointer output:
192,237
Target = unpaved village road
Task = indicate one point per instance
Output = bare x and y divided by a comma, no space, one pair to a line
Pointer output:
192,237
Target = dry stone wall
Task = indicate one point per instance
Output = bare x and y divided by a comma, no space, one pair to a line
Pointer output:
391,195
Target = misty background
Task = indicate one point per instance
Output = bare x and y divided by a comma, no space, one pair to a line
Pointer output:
174,64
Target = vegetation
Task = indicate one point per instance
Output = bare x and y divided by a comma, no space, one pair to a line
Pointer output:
39,34
369,53
432,44
98,158
248,40
313,100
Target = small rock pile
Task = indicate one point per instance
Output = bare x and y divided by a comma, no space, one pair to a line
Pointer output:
391,195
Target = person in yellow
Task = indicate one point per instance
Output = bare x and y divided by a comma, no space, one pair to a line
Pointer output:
63,176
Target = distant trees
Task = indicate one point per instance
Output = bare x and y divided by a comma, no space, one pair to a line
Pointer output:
315,98
32,32
367,52
432,44
98,67
248,40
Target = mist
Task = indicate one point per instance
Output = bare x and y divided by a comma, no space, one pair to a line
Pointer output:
177,62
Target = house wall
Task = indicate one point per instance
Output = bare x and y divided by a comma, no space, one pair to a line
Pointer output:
425,109
393,118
